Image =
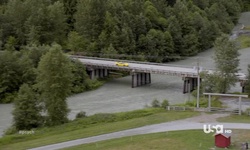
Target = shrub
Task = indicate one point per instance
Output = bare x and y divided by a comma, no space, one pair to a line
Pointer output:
81,114
135,114
10,130
93,84
203,102
102,117
156,103
164,104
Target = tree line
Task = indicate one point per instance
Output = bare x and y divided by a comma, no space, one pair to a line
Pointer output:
150,30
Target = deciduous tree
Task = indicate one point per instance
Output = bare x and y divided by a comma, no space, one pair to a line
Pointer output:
26,109
227,62
54,83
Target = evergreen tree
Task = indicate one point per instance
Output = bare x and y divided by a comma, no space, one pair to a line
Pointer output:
54,82
26,109
217,13
109,52
11,43
47,22
226,52
70,10
76,43
89,18
175,30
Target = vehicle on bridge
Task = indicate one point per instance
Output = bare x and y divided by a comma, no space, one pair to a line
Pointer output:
121,64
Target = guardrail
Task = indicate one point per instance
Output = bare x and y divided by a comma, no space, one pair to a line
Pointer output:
142,70
241,76
129,61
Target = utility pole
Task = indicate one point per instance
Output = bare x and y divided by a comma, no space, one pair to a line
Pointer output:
198,82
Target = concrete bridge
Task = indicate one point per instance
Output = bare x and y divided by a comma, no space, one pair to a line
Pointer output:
141,71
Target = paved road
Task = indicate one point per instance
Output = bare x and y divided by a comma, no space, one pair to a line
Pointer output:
159,68
184,71
186,124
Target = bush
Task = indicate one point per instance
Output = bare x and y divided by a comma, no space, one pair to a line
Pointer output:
135,114
93,84
102,117
203,102
81,114
164,104
10,130
8,98
108,117
156,103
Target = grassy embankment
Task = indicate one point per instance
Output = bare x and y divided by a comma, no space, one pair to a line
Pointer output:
91,126
181,140
235,119
244,40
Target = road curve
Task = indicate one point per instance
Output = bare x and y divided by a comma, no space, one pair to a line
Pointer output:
185,124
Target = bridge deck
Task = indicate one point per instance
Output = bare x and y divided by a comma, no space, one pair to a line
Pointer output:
146,67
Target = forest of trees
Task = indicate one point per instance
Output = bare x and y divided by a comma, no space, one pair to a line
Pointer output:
150,30
34,33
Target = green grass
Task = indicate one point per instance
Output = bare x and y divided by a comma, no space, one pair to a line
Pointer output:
203,103
244,41
235,119
79,129
247,28
174,140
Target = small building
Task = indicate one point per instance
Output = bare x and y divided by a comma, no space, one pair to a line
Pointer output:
222,140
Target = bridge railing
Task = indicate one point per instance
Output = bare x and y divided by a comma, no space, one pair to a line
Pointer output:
241,76
129,61
141,70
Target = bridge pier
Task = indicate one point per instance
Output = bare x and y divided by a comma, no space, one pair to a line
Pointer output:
139,79
242,84
97,73
143,78
105,72
91,73
190,84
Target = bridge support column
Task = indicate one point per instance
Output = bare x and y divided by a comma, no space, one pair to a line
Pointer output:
194,83
138,79
189,84
134,80
185,85
97,73
147,78
92,74
143,78
101,73
105,72
242,84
